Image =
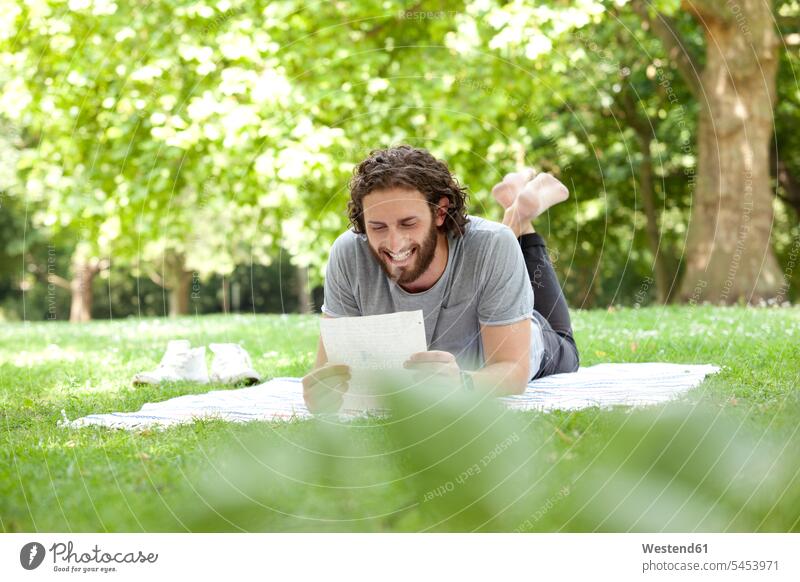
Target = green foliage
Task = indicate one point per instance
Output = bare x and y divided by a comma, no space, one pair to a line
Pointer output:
221,133
249,289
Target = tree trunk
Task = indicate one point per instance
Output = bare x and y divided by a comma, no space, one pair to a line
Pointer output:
647,189
729,256
177,281
226,295
180,283
236,297
80,309
644,131
303,295
790,185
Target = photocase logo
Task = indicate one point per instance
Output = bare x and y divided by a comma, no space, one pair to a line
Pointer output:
31,555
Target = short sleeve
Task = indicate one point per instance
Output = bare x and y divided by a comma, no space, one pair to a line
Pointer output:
340,291
506,295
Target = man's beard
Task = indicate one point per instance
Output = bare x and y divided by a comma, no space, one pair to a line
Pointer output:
424,258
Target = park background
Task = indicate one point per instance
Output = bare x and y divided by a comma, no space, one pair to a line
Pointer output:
191,159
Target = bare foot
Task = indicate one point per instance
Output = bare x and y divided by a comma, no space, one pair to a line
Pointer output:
506,191
539,195
535,198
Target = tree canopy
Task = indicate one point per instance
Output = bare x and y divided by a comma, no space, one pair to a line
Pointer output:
186,139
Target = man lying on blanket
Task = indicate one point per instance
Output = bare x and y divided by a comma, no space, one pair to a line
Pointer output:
495,316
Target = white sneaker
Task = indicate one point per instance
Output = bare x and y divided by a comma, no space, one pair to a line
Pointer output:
231,365
180,362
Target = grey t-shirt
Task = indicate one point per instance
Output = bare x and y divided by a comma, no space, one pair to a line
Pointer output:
485,282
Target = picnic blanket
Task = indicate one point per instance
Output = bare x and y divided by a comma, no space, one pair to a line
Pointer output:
601,385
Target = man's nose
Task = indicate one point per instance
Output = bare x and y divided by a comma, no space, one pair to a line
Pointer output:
395,241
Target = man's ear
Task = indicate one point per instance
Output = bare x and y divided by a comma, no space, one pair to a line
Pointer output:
441,211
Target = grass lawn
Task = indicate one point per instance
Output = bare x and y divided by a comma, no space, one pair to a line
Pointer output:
725,458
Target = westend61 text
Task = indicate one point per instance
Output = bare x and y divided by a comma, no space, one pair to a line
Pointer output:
96,555
670,549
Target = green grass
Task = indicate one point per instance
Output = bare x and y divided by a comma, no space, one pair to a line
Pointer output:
725,459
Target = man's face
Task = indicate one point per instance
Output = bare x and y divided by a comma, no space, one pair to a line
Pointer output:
402,232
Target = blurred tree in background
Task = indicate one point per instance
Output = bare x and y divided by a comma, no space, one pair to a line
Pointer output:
160,161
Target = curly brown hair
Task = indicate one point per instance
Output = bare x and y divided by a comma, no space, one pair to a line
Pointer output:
405,166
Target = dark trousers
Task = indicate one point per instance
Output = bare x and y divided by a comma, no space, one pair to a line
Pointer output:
549,309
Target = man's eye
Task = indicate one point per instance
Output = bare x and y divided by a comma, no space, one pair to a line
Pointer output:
378,227
410,224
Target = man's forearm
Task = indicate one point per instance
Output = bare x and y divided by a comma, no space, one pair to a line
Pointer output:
501,379
322,356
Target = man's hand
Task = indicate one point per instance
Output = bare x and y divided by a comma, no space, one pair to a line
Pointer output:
324,387
438,364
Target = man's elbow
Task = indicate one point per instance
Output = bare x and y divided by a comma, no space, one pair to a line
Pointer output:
518,379
519,387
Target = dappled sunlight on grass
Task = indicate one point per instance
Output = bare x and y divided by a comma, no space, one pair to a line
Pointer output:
50,353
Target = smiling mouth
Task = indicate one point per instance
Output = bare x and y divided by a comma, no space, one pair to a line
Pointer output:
399,259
